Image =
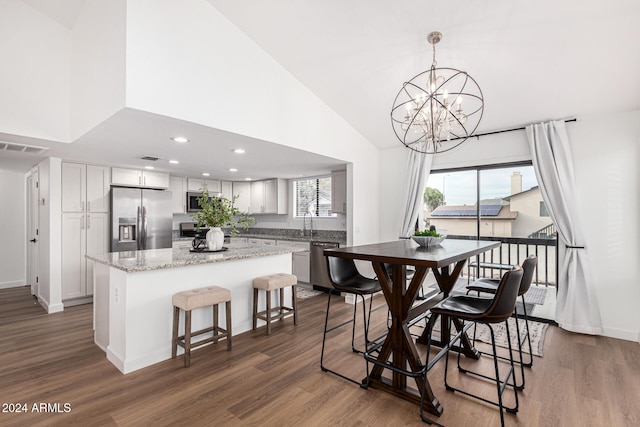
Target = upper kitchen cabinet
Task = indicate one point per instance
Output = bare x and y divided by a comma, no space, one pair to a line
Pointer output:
85,188
197,184
139,178
339,191
226,189
243,191
269,196
178,187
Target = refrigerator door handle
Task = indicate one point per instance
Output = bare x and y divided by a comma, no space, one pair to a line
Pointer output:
144,226
139,225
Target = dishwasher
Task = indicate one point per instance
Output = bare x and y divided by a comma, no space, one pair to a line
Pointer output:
319,273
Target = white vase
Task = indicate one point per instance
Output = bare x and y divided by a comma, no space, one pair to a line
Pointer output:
215,239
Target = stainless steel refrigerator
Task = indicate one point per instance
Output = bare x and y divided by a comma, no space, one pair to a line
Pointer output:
140,219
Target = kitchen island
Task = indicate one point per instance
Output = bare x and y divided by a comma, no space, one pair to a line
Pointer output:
132,295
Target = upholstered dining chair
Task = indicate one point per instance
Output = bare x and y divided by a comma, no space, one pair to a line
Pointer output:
345,278
490,286
488,311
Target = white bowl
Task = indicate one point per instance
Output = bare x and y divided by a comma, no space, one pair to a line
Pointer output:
427,241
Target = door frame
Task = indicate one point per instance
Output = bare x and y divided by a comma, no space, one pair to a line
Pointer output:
33,230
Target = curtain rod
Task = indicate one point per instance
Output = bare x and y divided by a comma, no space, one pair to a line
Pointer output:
506,130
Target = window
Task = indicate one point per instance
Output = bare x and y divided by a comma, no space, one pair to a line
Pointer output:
312,195
543,209
509,198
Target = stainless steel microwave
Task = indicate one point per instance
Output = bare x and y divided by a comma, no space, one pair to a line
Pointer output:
192,201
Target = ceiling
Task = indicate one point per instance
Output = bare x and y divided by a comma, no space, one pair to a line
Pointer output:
534,61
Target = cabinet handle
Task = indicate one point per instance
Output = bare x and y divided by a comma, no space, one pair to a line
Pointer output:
88,206
88,222
83,205
82,223
139,180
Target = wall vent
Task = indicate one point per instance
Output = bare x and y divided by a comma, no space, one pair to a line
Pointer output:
150,158
21,148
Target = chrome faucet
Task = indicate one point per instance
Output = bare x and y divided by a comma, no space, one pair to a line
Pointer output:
304,224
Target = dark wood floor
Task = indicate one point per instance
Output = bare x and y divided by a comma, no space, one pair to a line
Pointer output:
276,380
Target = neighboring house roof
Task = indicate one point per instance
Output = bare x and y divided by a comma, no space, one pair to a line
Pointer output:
486,211
521,193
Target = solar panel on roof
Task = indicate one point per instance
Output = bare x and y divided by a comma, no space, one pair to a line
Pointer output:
485,210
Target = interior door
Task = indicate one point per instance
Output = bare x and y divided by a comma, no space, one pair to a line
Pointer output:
33,226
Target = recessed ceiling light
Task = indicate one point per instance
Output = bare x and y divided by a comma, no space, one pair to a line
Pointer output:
148,167
205,174
180,139
233,170
174,162
247,179
239,151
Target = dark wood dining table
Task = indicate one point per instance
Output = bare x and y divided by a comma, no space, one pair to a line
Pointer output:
446,262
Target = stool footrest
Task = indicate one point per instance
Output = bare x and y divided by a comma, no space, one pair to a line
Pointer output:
288,311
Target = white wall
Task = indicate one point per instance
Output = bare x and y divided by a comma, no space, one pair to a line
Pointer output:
34,87
168,74
50,285
12,230
97,64
606,154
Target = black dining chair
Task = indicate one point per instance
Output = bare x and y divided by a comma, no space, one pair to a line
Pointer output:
488,311
490,286
345,278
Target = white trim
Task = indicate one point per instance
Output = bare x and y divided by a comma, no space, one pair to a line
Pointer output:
12,284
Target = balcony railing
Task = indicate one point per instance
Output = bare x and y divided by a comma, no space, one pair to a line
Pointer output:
514,250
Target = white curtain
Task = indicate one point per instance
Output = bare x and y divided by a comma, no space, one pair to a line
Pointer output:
577,307
417,171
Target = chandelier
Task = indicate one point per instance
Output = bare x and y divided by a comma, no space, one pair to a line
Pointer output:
438,109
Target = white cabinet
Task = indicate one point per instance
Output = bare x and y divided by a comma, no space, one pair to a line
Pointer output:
85,224
197,184
82,234
226,189
339,192
262,242
269,196
85,188
139,178
301,266
178,187
243,191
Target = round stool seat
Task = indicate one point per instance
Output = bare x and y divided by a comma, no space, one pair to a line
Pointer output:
201,297
275,281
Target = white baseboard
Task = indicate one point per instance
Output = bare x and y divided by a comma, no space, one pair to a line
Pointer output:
51,308
621,334
12,284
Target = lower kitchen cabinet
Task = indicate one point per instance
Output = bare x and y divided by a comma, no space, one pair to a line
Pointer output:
82,234
301,266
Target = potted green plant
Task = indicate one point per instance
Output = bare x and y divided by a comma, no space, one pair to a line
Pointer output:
218,212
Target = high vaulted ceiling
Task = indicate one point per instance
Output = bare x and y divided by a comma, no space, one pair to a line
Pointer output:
534,61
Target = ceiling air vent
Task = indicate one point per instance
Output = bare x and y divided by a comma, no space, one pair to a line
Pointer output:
21,148
150,158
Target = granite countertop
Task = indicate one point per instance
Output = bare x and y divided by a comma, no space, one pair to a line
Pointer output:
277,237
156,259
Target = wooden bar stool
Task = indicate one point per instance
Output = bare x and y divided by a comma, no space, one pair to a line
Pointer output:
271,283
191,300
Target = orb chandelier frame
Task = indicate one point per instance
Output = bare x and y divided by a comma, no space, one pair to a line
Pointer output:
438,109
